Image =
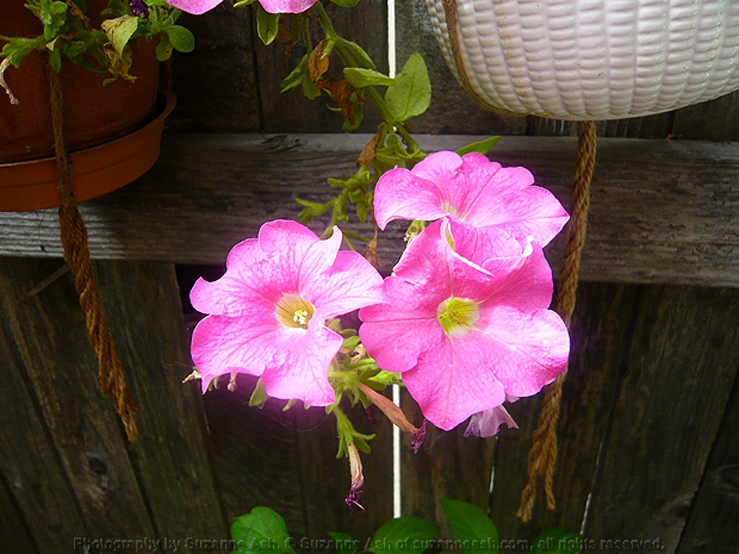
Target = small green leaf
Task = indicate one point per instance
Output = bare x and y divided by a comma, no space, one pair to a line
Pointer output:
120,30
296,75
267,25
259,396
346,3
357,53
360,77
55,59
404,535
243,3
344,543
181,38
470,527
557,541
164,49
262,531
411,94
481,146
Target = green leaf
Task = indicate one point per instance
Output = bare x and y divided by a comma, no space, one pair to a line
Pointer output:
181,38
346,3
120,30
404,535
360,77
481,146
296,75
470,527
164,49
357,53
344,543
411,94
55,58
557,541
262,531
267,25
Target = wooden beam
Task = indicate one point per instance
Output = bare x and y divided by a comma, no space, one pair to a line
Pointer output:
662,211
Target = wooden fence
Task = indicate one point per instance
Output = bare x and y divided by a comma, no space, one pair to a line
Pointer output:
649,450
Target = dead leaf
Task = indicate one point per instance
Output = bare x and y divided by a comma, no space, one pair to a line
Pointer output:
318,61
368,152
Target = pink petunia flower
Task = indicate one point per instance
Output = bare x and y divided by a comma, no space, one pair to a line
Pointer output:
474,191
466,331
268,311
198,7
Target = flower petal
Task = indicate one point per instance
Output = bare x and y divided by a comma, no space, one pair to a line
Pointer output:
529,350
455,381
195,7
399,194
487,423
286,6
303,373
352,283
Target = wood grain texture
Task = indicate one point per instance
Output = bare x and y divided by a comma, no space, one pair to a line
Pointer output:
714,120
287,461
291,111
448,465
216,85
680,367
712,523
661,211
601,325
90,488
170,456
13,526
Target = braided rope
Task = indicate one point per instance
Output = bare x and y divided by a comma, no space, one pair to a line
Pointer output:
542,459
111,377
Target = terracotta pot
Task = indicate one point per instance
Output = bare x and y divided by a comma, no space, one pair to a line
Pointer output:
590,59
93,113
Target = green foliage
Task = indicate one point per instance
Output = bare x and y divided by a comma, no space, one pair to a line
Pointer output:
471,527
267,25
68,33
410,95
404,535
262,531
346,3
360,77
482,146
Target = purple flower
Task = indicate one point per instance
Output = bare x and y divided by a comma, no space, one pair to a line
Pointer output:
268,312
197,7
474,192
466,330
139,7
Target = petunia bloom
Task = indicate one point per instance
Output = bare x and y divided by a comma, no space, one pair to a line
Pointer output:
267,313
474,191
198,7
466,331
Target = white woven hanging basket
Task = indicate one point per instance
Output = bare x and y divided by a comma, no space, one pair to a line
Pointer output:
590,59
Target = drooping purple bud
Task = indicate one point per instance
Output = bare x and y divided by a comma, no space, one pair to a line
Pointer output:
353,498
370,416
418,437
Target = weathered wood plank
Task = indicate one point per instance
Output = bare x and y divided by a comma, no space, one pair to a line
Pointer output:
291,111
447,465
143,310
601,325
89,489
715,120
12,523
712,524
216,85
661,211
287,461
677,377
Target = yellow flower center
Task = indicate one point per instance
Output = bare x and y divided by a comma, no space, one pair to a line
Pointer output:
293,312
457,315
